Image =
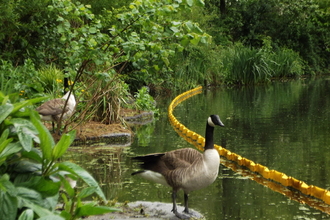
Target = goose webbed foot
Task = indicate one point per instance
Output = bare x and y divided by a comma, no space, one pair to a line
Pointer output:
175,210
186,210
179,215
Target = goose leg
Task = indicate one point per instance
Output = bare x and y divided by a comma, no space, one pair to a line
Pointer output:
53,126
186,210
175,210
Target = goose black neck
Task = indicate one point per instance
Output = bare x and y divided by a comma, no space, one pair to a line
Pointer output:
209,144
66,85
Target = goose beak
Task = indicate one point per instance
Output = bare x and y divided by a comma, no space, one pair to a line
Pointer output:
220,123
216,120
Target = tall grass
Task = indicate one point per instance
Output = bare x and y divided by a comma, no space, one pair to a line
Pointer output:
236,64
196,66
102,97
243,65
287,63
51,79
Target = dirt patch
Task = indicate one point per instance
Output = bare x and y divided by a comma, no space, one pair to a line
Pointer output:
97,129
116,133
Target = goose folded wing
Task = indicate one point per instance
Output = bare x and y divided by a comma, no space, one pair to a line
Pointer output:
52,107
185,155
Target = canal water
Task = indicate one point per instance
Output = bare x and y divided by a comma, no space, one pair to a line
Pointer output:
282,125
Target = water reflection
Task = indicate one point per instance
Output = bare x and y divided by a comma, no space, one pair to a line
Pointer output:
283,126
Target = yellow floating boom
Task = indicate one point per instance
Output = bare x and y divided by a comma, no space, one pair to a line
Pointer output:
274,175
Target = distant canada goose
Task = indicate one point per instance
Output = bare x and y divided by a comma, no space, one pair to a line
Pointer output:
52,109
185,169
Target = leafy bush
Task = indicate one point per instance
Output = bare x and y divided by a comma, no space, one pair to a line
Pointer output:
144,101
31,178
22,79
301,26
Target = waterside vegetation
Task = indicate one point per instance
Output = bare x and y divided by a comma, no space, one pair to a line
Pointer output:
122,54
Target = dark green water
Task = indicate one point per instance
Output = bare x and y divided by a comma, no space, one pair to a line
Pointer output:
284,126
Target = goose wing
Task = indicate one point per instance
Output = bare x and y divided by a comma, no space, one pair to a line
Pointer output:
52,107
165,163
151,162
182,158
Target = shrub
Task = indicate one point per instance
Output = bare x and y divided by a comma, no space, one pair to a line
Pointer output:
31,178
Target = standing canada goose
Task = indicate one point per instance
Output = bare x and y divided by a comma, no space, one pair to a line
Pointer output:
53,109
185,169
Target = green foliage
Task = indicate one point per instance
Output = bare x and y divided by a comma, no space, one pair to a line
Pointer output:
287,63
23,29
144,101
51,78
242,65
98,6
101,97
141,38
30,177
22,79
298,25
198,65
145,35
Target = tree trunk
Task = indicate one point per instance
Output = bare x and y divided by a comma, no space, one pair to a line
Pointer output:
222,7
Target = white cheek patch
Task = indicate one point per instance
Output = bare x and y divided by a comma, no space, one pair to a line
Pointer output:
210,122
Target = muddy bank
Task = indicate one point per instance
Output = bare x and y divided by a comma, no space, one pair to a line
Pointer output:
114,134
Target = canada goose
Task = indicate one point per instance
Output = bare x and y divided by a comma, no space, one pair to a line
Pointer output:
53,109
185,169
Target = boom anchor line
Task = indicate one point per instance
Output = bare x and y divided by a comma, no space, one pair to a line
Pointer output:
281,180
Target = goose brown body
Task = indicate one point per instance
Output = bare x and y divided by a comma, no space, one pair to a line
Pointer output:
53,109
185,169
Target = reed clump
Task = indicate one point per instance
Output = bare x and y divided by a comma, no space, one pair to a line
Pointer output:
244,65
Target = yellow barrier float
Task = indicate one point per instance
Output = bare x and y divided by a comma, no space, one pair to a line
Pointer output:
273,175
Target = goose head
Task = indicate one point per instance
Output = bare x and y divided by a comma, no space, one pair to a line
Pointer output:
214,120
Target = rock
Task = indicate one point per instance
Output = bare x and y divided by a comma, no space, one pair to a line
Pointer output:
144,210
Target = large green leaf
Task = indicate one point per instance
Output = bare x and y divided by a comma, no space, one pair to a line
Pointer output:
199,3
28,195
8,205
46,140
42,185
190,3
19,105
35,201
43,213
5,110
3,140
26,215
26,132
34,155
65,181
87,192
83,174
8,199
64,143
11,149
